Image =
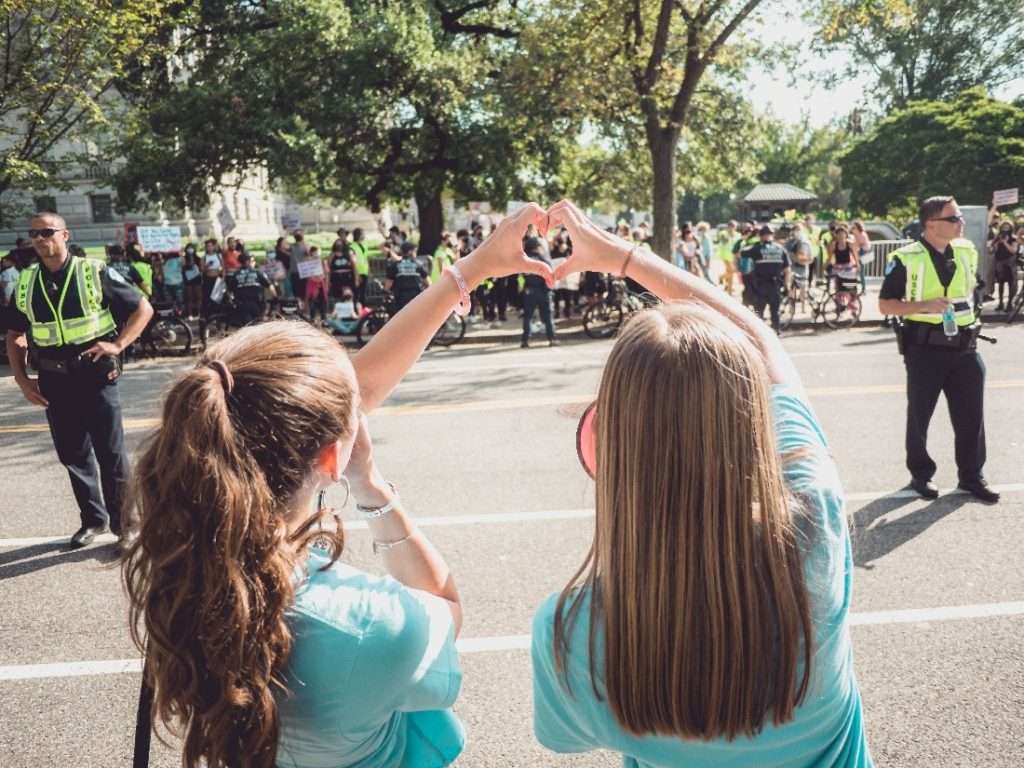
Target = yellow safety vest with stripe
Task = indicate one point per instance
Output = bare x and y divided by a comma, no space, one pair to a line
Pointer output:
362,258
146,273
57,329
923,281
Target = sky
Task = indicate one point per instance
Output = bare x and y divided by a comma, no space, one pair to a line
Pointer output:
772,89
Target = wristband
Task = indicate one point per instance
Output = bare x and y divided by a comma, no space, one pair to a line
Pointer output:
372,513
464,305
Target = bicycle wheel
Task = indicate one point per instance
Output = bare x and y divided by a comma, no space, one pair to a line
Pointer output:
602,320
787,312
369,327
842,310
170,336
213,330
451,331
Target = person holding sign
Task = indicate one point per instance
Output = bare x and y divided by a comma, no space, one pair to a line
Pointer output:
311,270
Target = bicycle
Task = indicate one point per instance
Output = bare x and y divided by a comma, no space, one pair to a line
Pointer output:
166,334
452,330
604,318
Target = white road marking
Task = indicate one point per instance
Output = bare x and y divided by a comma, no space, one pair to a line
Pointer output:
522,642
498,518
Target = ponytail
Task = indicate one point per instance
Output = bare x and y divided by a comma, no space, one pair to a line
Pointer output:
211,576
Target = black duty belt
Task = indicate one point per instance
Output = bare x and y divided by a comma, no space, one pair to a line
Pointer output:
921,334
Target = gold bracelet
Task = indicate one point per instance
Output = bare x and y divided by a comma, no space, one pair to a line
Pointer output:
625,264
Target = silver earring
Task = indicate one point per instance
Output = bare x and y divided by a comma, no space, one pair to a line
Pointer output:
322,499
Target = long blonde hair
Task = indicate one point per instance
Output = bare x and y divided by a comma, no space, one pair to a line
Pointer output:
695,574
210,579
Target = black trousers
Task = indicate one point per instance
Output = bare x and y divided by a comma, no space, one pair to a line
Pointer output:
961,377
767,293
540,299
85,424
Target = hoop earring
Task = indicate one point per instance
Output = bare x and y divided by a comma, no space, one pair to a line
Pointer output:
321,502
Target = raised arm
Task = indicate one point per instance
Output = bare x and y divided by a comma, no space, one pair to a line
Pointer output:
599,251
382,363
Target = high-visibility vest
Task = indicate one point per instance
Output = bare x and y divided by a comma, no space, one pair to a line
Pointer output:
146,273
440,261
362,258
923,281
58,329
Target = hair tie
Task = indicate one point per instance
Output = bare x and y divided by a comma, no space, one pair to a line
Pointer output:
226,379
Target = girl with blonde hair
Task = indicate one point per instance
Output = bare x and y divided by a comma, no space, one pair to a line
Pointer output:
708,624
262,649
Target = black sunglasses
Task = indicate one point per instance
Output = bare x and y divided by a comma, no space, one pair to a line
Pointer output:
950,219
46,233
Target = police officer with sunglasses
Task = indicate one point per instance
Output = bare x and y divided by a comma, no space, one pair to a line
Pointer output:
933,285
69,307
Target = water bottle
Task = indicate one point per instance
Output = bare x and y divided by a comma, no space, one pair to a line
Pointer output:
949,322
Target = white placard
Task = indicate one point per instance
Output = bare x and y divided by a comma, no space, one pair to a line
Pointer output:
1006,197
159,239
311,268
291,221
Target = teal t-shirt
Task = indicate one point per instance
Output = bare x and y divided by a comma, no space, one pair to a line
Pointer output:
827,729
372,674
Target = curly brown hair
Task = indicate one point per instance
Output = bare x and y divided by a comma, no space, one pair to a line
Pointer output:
210,578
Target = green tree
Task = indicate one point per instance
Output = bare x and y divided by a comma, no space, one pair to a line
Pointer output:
649,64
356,102
967,147
802,155
62,62
925,49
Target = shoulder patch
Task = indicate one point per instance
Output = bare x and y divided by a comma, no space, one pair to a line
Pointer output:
116,276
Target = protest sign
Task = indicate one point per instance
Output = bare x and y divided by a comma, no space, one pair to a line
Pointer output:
159,239
1005,197
310,268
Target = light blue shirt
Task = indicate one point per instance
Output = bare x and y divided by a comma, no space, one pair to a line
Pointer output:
827,729
372,674
172,271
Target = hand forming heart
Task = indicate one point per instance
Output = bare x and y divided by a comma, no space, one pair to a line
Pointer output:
501,254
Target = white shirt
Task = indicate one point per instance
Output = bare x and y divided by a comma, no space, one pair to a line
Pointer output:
8,282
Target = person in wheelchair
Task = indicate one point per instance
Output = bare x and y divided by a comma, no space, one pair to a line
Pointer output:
247,285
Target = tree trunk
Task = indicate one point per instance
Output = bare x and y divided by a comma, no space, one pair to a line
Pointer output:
662,144
431,214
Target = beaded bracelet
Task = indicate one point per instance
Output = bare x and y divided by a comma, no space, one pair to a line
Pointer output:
464,305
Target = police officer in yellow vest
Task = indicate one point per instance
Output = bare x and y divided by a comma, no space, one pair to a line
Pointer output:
926,283
361,255
69,308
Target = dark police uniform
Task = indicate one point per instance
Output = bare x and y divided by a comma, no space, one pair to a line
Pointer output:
936,363
63,314
766,280
247,285
407,276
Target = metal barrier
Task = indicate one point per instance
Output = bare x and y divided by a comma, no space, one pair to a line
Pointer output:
882,249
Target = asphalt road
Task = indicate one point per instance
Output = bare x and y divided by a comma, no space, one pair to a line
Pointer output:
480,441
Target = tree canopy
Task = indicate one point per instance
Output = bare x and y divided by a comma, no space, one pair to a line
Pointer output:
925,49
967,147
62,61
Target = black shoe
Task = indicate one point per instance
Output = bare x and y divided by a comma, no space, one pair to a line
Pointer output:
553,342
524,345
979,489
84,536
926,489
